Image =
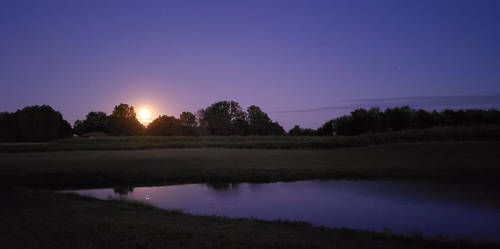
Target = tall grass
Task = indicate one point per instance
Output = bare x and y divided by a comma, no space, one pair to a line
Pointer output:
491,133
452,161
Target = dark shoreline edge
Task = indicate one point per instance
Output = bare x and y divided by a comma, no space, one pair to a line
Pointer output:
75,219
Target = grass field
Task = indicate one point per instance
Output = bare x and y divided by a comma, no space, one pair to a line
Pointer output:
453,161
41,219
259,142
31,218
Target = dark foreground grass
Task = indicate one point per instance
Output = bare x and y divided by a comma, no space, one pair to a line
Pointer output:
259,142
41,219
448,161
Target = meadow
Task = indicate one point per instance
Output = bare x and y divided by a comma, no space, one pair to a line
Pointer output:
435,161
100,142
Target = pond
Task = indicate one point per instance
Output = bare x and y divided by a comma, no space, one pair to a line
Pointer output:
431,209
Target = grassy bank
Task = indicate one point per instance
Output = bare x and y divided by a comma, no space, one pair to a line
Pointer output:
450,161
260,142
40,219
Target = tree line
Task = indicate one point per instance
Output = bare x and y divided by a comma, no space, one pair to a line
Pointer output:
224,118
404,118
33,124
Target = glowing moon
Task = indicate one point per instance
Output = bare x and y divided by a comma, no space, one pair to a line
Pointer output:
144,115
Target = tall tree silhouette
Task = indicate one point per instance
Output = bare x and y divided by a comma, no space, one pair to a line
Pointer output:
402,118
224,118
33,124
188,123
94,122
165,126
123,121
259,123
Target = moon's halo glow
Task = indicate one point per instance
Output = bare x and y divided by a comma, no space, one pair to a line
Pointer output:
144,116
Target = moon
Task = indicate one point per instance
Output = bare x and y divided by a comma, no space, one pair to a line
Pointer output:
144,116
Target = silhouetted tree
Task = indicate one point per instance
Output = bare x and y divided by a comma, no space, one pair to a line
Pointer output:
227,118
79,127
326,129
491,117
165,126
297,131
188,123
343,125
422,119
456,118
259,123
402,118
123,121
398,118
224,118
33,124
202,128
8,127
94,122
367,121
274,128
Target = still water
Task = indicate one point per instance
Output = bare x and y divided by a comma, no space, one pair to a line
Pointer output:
455,210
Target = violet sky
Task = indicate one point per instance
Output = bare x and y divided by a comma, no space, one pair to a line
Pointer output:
303,62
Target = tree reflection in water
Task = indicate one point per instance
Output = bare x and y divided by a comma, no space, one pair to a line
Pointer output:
123,190
222,186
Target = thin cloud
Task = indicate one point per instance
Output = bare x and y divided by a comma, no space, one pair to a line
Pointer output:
423,98
326,108
432,102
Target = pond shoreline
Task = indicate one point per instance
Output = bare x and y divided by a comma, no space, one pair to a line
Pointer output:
67,220
402,207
